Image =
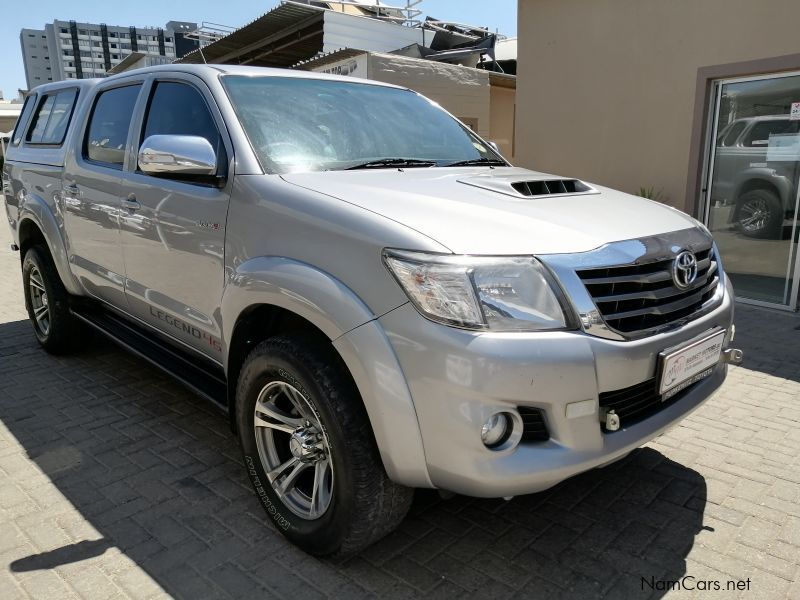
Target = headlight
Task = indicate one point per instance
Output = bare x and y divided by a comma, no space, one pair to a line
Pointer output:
495,293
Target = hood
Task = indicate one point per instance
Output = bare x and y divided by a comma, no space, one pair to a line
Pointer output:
485,211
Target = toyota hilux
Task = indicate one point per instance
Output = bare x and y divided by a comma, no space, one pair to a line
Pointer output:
372,293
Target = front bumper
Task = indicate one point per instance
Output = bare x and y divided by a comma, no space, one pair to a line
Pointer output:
458,379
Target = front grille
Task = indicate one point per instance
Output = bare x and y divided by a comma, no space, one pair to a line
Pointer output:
637,402
639,297
534,429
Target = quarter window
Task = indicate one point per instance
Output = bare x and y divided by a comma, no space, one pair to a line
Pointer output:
107,133
49,125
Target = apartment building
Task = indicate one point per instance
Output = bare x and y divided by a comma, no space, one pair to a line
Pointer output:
72,50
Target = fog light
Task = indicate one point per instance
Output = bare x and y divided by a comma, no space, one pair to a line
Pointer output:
496,430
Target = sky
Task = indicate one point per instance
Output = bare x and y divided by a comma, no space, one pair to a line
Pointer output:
496,15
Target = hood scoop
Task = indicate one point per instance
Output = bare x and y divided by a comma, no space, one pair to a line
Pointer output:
534,188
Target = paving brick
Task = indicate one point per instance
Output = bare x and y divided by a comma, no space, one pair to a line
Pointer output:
764,561
413,573
89,582
46,584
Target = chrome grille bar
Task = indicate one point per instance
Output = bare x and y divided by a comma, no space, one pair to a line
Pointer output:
664,309
625,290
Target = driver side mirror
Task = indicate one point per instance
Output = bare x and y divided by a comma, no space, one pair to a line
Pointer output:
177,155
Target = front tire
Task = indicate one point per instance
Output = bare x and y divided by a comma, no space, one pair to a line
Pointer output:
309,449
759,214
47,302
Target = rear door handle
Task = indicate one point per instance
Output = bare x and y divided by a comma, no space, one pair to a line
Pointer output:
131,203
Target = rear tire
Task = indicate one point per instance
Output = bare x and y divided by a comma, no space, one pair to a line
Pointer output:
759,214
303,392
47,302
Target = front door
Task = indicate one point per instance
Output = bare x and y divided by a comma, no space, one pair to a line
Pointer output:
752,197
173,228
91,193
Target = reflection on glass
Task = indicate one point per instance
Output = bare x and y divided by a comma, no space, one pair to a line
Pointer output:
754,191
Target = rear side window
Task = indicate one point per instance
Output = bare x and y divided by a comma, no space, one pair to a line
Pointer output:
27,109
758,136
52,117
107,134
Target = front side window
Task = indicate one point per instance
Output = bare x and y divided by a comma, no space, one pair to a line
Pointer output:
179,109
49,124
27,109
297,124
107,133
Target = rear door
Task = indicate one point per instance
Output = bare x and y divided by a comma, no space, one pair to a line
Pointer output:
91,192
173,229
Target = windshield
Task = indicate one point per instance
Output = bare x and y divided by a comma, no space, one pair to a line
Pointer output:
297,124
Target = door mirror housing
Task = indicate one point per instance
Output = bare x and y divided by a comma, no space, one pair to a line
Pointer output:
177,155
496,147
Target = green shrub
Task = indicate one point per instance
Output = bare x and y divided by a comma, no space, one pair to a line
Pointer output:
650,193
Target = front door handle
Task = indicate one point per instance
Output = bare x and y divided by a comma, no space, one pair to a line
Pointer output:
72,189
131,203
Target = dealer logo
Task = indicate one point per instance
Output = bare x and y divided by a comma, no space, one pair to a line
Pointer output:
684,269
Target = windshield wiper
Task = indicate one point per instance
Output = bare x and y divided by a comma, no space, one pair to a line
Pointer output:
483,161
392,162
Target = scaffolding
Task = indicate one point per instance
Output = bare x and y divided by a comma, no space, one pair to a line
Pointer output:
208,33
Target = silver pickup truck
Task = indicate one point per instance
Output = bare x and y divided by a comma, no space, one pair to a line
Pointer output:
377,299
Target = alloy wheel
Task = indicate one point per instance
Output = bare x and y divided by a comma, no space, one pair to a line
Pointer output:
39,302
753,215
294,449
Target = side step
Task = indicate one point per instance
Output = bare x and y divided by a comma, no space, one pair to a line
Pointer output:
201,376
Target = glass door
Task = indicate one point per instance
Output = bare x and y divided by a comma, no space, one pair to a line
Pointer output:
752,200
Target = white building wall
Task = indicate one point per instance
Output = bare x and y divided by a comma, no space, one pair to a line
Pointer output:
35,56
349,31
461,91
56,66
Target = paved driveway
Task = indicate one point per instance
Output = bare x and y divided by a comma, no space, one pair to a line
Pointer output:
115,482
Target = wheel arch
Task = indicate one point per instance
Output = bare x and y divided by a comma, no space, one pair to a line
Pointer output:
256,323
269,296
30,234
778,187
37,225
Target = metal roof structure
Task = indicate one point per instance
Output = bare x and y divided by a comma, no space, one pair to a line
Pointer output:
298,31
282,37
329,58
495,78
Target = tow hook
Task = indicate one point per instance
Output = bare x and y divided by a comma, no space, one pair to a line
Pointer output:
611,421
733,356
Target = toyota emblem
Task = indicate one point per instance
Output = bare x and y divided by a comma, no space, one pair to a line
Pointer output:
684,269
